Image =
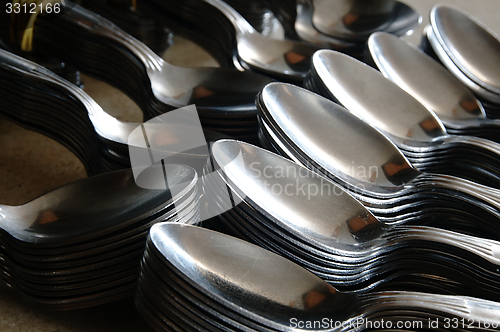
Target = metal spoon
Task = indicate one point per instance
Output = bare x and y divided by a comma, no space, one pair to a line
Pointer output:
432,85
352,19
80,245
417,131
482,93
242,277
323,220
224,97
281,59
472,46
334,142
101,141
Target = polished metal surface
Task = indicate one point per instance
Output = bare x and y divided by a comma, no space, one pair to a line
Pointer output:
80,245
324,214
473,47
285,58
103,138
424,78
417,131
332,141
90,207
352,19
259,176
190,83
380,102
263,290
244,277
401,21
336,139
456,71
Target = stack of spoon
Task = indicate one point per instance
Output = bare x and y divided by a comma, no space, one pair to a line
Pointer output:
469,50
80,245
193,279
285,208
330,140
346,25
416,130
261,17
139,22
245,48
65,113
224,97
433,86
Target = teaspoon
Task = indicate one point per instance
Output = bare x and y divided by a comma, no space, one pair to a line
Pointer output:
473,47
324,221
80,245
432,85
285,60
417,131
257,287
224,97
332,141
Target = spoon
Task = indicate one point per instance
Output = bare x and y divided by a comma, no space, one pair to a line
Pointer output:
240,278
485,95
432,85
332,141
101,49
352,19
286,60
328,223
80,245
84,126
473,47
417,131
90,208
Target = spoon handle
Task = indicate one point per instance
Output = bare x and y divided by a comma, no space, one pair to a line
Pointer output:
239,22
489,197
484,248
490,147
484,127
102,27
101,49
107,126
476,313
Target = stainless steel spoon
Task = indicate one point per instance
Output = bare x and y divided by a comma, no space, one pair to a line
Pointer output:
429,82
80,245
453,68
117,136
269,290
283,58
473,47
332,141
306,218
56,218
352,19
380,102
105,51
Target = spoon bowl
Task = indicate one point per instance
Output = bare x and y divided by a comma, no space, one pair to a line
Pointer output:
362,160
239,278
80,245
383,104
472,46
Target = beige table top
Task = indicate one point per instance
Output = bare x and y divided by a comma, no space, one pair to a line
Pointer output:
32,164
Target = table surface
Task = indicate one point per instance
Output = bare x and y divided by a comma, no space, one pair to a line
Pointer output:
33,165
